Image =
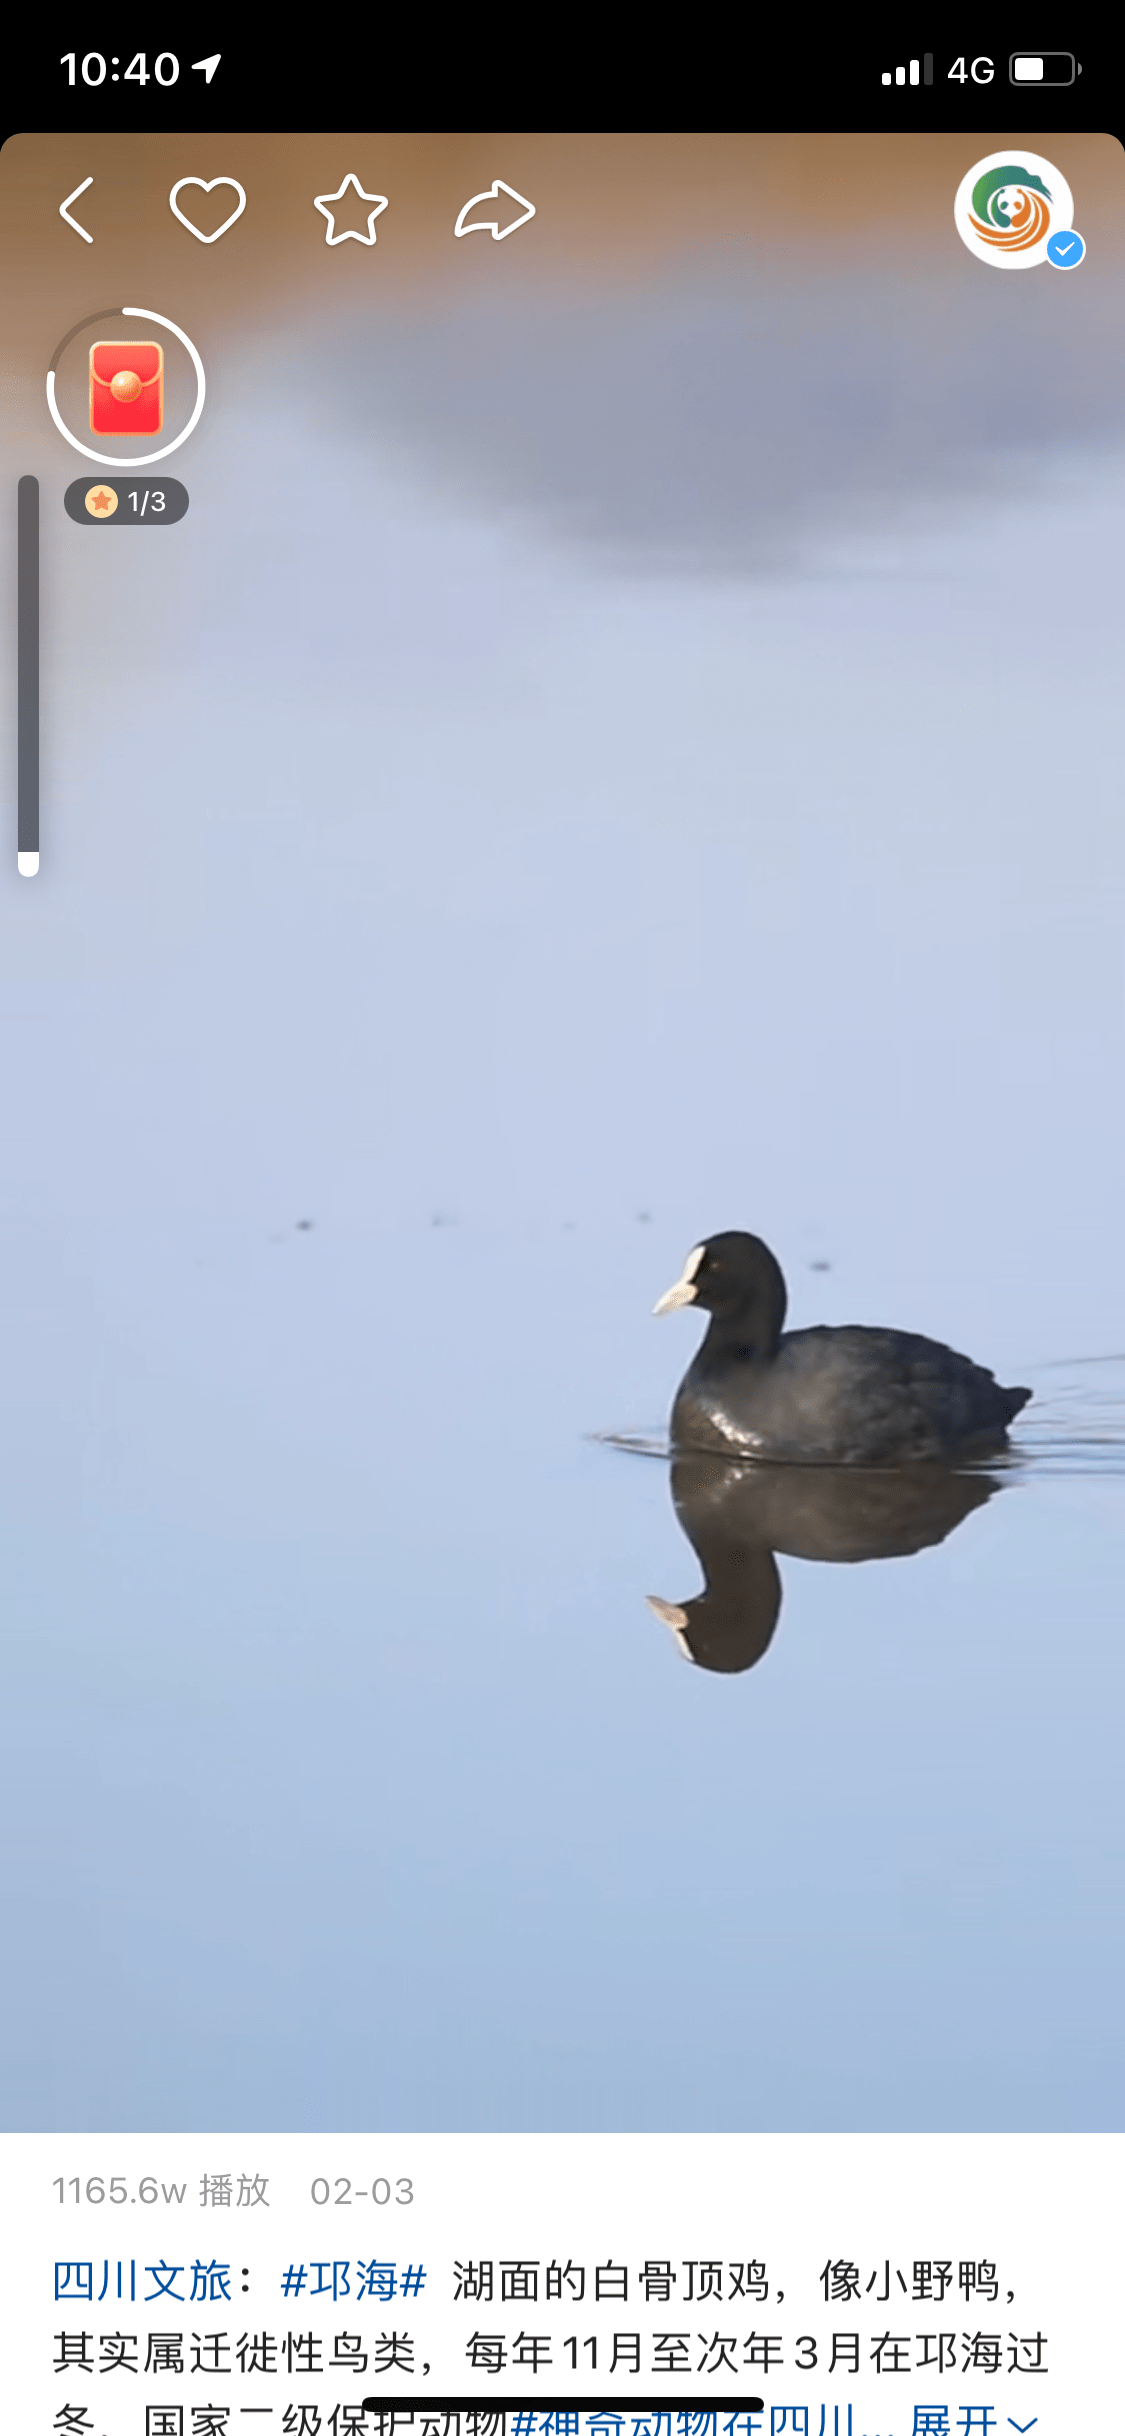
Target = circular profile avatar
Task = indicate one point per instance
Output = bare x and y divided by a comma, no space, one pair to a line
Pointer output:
1009,206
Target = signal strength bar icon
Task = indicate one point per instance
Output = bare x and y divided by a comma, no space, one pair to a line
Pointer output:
919,72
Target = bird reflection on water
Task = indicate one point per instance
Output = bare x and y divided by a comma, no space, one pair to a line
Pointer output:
740,1517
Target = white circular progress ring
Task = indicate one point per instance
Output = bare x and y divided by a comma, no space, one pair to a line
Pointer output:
139,313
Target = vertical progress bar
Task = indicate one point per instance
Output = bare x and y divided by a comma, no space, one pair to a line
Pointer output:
27,684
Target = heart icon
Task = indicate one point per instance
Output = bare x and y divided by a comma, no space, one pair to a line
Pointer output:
208,185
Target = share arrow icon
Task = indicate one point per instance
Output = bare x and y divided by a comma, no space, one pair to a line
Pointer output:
466,226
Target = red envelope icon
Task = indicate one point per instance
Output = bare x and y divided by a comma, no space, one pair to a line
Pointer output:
126,388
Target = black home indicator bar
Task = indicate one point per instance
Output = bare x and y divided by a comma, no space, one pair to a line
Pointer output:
548,2415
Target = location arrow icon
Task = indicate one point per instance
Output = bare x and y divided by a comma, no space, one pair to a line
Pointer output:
466,226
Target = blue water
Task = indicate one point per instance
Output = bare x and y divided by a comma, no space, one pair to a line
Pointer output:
452,908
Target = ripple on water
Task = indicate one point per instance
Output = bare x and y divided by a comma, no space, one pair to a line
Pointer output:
1075,1423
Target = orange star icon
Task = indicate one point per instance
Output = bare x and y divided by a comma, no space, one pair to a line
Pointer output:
101,501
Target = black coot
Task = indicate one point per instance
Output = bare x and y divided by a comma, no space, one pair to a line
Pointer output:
820,1395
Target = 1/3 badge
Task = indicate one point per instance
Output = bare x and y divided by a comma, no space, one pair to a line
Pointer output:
100,503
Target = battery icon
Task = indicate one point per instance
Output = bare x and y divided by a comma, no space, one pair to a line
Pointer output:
1043,68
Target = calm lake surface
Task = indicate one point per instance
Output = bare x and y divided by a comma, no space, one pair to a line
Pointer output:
519,856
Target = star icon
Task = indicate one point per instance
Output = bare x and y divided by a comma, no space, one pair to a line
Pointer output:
100,502
324,203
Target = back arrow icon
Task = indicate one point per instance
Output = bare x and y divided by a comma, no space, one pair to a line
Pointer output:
79,231
465,227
